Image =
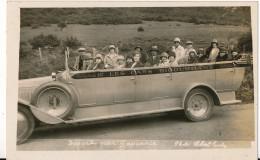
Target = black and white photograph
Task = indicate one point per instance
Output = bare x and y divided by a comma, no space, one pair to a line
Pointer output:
95,78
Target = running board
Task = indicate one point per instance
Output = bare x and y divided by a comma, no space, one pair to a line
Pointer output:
122,115
231,102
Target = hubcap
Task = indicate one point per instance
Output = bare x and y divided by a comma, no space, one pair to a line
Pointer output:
22,124
198,105
53,101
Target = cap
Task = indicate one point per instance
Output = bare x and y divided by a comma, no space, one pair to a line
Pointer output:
139,47
222,50
189,42
112,47
192,51
177,39
130,56
82,49
172,53
99,56
154,48
201,50
164,54
87,56
214,41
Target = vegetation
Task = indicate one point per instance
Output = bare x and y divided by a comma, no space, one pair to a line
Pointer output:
87,16
62,25
71,42
140,29
245,42
44,41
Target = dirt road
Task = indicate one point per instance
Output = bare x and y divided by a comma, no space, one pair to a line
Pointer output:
229,123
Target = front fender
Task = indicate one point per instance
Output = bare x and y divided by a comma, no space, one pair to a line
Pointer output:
40,115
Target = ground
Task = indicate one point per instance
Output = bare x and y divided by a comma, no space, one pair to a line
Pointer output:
231,124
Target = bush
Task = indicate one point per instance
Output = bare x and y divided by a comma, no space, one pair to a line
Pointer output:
43,41
178,24
140,29
34,26
71,42
245,39
62,25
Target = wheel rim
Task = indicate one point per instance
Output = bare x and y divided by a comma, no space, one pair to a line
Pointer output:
22,125
54,101
198,105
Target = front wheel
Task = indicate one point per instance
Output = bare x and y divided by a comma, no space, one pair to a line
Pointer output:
198,105
25,124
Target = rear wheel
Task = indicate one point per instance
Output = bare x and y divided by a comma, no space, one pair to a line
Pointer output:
25,124
198,105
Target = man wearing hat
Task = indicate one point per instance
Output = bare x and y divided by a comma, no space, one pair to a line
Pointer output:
88,61
222,56
144,55
235,55
120,62
154,58
212,51
79,59
111,58
178,49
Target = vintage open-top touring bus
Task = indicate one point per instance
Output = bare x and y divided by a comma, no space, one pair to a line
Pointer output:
80,96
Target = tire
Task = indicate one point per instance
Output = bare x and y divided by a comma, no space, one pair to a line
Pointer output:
25,124
55,98
198,105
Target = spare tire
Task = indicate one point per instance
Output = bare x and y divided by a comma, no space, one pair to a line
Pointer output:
55,98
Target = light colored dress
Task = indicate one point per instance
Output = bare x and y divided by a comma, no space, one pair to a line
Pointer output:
213,54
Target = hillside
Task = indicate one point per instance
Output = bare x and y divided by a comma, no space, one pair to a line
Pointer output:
87,16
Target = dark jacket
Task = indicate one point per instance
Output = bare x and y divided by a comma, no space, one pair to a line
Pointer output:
138,64
202,59
129,65
154,61
224,58
192,60
96,66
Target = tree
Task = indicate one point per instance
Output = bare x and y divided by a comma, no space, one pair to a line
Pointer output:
62,25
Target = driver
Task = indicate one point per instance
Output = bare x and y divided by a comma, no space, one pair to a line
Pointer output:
79,59
88,61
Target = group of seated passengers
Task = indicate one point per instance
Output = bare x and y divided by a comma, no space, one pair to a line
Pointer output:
177,56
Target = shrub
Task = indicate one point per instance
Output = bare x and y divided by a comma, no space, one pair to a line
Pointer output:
245,39
140,29
178,24
43,41
34,26
71,42
62,25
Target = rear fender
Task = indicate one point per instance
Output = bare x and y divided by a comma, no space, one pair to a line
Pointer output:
211,90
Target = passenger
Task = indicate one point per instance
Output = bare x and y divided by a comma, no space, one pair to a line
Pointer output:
111,58
144,55
223,56
80,59
179,50
137,63
212,51
193,58
172,59
202,58
99,64
188,47
164,60
235,55
88,61
129,61
120,62
154,58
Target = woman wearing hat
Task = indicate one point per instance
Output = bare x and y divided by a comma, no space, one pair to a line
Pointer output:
172,59
192,57
144,55
137,63
212,51
178,49
99,64
111,58
80,59
154,58
235,55
164,60
202,58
